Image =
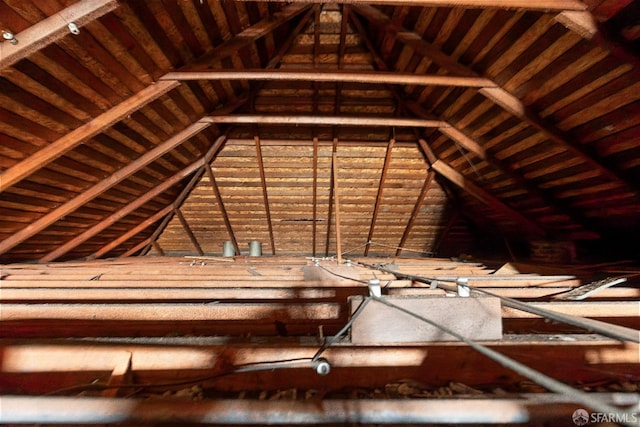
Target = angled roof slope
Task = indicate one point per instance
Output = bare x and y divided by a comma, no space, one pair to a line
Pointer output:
430,123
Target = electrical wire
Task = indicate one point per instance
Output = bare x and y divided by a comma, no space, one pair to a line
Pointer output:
342,331
608,330
237,369
341,276
532,374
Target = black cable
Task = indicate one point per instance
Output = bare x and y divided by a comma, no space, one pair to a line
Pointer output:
342,331
619,332
248,367
341,276
532,374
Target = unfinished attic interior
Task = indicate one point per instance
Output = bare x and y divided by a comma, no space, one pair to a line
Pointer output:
308,212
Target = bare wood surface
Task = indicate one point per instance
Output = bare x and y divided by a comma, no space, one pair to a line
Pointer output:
328,76
76,137
52,29
101,187
323,120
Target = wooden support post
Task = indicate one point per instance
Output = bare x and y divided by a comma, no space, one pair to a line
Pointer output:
416,210
121,374
208,159
265,194
132,232
126,210
376,209
223,210
136,248
188,230
331,193
158,248
315,193
336,195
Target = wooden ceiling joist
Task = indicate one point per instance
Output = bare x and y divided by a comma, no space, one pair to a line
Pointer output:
543,5
322,120
102,186
496,94
52,29
79,135
352,76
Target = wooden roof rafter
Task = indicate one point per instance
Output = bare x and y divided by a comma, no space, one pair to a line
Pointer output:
496,94
169,209
81,134
102,186
468,186
468,143
52,28
124,211
248,36
451,175
474,147
164,212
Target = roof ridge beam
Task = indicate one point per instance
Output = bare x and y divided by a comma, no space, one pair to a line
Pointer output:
102,186
52,29
79,135
496,94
